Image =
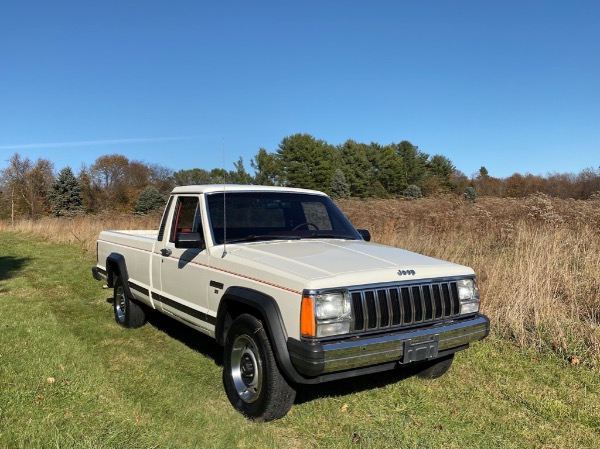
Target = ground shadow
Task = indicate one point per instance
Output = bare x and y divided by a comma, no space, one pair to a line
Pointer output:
193,339
10,266
307,393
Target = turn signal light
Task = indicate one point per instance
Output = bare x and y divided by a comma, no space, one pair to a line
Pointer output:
307,318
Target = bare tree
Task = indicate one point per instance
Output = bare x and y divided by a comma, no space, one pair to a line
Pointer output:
28,185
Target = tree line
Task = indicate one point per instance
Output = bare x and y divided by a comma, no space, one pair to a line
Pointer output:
115,183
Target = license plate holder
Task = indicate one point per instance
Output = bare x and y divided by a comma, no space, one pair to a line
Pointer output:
416,351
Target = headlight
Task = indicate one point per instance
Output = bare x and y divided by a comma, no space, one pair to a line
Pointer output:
326,314
332,306
468,295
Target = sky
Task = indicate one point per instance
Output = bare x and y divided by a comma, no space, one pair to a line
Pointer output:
513,86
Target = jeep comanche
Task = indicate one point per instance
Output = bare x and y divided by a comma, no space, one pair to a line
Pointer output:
292,291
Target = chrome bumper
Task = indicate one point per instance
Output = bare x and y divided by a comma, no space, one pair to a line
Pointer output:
375,350
400,347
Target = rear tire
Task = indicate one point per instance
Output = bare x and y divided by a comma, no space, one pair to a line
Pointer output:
128,313
436,368
252,380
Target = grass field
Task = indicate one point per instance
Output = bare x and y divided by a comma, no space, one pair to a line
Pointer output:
71,378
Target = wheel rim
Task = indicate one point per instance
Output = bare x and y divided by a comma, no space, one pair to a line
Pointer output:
246,368
120,304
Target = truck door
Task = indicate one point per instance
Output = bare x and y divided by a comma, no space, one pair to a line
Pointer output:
183,271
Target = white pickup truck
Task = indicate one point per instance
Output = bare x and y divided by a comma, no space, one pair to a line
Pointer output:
291,290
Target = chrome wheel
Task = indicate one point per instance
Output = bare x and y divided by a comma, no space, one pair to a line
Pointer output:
120,304
246,368
251,377
128,313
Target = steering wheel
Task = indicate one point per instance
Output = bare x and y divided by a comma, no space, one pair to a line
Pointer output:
295,228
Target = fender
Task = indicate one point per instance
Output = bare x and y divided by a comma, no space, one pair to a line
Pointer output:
117,260
235,297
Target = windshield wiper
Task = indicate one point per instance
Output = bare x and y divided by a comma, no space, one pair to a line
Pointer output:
256,238
329,236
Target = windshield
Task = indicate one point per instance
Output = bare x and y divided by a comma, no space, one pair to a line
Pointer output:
256,216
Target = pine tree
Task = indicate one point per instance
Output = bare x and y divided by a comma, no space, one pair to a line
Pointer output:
306,162
149,200
65,194
339,186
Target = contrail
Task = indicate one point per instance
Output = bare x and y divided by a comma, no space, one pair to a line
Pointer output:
93,142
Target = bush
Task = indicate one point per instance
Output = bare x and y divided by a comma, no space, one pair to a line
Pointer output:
412,192
470,194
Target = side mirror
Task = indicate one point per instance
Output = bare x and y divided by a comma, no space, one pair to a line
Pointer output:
188,240
366,235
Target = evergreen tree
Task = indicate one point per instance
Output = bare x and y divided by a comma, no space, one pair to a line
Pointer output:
439,177
356,167
65,194
306,162
266,168
149,200
339,187
415,162
240,175
192,176
388,168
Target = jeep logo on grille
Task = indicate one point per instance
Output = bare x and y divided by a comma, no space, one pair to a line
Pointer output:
406,272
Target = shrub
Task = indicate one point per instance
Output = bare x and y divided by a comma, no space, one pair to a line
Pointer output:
412,192
470,194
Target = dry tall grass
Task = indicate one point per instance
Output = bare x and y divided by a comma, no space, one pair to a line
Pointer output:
537,259
81,231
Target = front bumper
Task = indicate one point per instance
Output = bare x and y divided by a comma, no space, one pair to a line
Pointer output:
400,346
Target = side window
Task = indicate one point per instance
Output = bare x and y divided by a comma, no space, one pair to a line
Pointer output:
186,217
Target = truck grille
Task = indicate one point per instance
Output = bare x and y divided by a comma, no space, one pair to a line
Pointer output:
397,306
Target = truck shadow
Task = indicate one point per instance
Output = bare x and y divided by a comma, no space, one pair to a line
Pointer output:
193,339
9,266
344,387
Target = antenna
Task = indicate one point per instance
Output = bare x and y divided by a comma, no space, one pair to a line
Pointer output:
224,202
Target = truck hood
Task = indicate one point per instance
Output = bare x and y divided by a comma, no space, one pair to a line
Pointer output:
350,262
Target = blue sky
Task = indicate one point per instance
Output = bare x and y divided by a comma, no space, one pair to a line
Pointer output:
513,86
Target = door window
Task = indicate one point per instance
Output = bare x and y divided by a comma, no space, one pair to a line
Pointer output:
186,217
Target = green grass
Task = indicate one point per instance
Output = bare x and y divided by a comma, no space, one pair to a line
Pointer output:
70,377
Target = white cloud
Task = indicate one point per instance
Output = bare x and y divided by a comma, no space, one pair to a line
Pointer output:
85,143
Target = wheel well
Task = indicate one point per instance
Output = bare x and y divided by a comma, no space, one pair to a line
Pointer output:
229,310
112,271
115,266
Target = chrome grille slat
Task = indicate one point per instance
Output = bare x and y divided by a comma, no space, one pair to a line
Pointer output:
403,305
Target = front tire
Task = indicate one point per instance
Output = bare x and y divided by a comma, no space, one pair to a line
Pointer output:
251,377
128,313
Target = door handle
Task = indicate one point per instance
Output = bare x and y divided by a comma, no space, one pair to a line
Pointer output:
166,252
